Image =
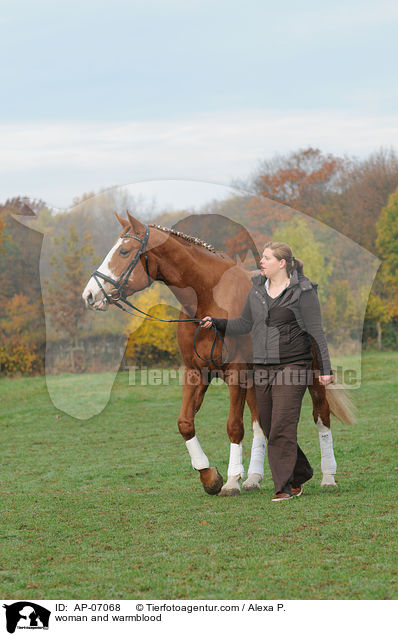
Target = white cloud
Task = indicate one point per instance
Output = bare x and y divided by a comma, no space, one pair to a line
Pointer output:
57,161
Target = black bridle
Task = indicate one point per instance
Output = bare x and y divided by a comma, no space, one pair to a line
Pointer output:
120,283
120,299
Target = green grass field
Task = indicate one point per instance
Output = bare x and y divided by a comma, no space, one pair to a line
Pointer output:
110,508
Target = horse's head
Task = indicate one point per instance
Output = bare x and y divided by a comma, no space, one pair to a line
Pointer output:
125,269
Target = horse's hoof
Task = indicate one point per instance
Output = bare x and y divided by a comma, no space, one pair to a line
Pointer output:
252,482
232,487
229,492
212,480
328,480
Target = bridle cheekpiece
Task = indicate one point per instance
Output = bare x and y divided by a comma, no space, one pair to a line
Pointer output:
121,282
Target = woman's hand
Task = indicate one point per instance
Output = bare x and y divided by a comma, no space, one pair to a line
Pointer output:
207,322
326,379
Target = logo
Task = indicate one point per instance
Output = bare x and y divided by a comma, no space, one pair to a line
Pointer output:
26,615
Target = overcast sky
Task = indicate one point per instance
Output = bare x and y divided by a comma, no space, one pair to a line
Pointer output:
101,93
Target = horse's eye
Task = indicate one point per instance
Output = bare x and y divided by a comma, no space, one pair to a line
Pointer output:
123,252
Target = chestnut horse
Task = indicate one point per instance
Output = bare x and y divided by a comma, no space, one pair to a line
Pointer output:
205,283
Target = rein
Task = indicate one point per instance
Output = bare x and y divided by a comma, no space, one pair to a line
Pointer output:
121,299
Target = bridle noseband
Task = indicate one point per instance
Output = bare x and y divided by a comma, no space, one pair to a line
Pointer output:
121,299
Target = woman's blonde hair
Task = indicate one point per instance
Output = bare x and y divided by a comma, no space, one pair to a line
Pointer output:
283,250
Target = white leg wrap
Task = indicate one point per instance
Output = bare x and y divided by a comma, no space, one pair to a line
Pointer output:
259,446
198,457
328,462
235,466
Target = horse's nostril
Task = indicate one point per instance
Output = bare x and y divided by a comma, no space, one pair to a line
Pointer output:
90,298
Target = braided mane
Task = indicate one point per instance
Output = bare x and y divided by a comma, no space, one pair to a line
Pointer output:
186,237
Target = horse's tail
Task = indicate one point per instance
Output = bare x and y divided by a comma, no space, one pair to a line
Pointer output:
340,404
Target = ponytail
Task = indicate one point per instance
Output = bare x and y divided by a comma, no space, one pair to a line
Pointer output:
297,264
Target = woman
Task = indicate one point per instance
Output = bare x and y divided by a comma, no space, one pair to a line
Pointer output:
283,312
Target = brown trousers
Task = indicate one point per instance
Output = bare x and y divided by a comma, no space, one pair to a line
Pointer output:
279,391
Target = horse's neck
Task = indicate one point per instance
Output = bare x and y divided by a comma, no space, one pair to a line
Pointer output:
190,273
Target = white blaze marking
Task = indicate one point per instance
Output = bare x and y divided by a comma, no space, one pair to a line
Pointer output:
104,268
92,285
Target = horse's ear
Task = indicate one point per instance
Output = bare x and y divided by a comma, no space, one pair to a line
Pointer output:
136,225
123,222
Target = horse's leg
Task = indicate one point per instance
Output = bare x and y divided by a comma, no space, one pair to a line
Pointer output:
193,391
259,445
237,396
321,414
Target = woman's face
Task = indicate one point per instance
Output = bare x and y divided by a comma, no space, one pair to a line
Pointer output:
270,265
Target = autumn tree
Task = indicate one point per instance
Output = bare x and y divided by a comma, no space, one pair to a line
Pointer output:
301,179
72,258
383,304
22,332
152,341
1,231
348,194
21,335
20,256
363,190
387,244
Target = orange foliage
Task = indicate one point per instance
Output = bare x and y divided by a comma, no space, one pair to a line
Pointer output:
298,180
20,329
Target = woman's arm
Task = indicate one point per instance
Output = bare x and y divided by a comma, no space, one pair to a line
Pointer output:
310,310
232,326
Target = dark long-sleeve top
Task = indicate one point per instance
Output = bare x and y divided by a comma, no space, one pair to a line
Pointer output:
283,328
